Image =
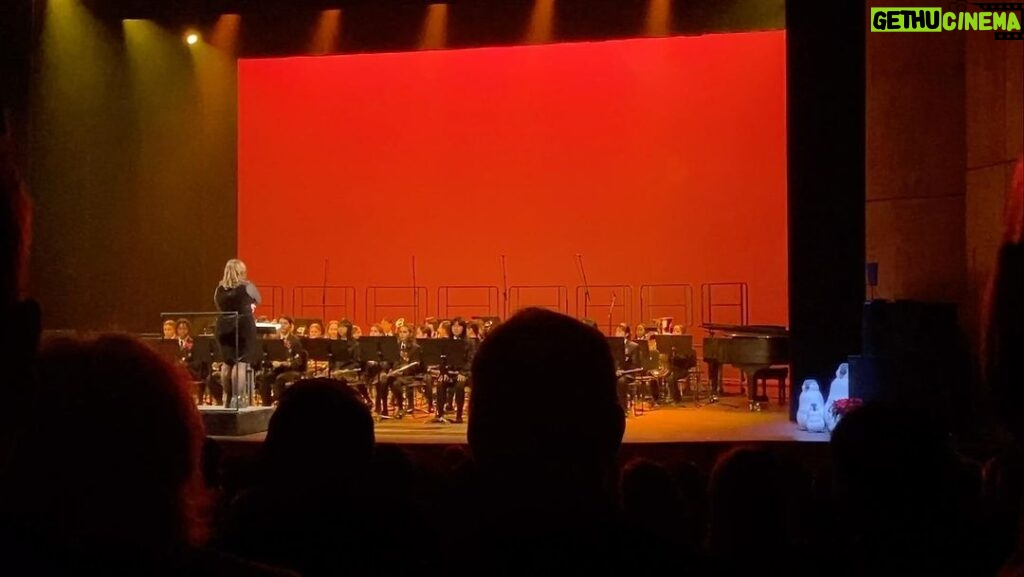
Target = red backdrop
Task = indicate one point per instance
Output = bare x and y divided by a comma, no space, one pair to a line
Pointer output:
660,160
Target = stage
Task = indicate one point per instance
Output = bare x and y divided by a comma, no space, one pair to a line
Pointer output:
728,421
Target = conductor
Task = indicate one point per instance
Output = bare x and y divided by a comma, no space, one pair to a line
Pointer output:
236,335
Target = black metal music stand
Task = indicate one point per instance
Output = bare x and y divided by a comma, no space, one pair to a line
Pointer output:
442,354
274,350
681,356
372,356
319,350
617,345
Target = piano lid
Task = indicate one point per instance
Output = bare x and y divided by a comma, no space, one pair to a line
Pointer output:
747,330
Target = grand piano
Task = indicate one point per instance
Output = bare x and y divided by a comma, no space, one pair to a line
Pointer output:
749,348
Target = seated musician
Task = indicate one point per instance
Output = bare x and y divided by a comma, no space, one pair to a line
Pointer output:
376,330
315,330
283,372
454,384
356,332
183,333
667,372
399,379
386,328
473,331
678,330
315,367
169,330
424,331
332,330
632,360
444,330
347,369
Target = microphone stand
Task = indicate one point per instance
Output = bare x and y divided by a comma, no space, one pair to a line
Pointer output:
586,287
323,295
415,295
504,288
611,310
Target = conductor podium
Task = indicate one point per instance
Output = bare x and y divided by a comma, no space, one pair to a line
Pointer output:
227,422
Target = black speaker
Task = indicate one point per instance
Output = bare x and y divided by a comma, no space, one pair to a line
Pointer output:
913,354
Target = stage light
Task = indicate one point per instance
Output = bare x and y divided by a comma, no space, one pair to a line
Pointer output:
434,26
659,18
192,38
541,26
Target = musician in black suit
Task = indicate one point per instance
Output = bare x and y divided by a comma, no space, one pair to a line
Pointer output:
280,373
183,333
408,352
632,360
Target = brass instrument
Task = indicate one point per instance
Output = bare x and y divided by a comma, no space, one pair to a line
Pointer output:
663,367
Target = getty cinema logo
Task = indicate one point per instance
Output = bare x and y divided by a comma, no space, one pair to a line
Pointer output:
1001,18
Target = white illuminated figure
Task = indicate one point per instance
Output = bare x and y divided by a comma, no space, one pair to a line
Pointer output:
839,390
811,394
816,418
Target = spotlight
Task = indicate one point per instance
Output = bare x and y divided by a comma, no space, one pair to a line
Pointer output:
192,38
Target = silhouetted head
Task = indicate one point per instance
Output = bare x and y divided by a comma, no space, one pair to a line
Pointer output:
646,486
320,434
540,350
744,520
896,477
111,446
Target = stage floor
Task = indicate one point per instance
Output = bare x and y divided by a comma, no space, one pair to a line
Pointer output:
725,422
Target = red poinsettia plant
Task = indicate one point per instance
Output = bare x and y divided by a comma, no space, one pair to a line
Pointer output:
844,406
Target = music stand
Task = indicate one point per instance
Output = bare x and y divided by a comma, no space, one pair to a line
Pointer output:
442,353
370,347
274,350
617,345
168,349
216,353
389,351
318,350
339,351
202,348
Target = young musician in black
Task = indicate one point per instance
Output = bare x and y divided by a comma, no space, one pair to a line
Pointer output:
400,378
632,360
456,380
236,333
346,367
169,332
282,372
665,364
183,333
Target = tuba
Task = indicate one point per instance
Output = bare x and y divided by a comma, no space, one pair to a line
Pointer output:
663,368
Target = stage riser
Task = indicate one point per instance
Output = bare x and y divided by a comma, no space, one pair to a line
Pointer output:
221,422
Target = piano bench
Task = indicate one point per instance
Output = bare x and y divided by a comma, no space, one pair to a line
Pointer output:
779,374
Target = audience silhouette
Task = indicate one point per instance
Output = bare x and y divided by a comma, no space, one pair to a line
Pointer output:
105,473
543,497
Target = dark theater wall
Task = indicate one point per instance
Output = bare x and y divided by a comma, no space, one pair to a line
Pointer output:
132,150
